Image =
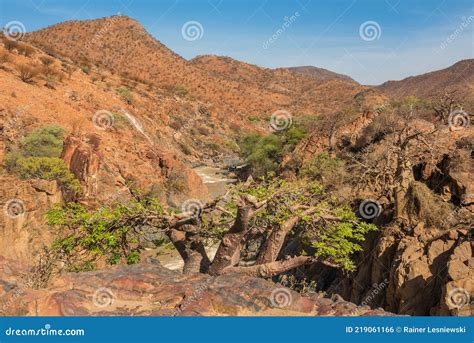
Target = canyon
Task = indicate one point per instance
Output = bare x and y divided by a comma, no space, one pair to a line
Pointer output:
138,119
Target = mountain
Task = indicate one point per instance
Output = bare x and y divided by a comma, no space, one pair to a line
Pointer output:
121,44
459,76
320,74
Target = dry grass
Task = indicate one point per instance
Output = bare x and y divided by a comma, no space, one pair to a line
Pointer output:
4,58
424,205
27,72
25,49
10,45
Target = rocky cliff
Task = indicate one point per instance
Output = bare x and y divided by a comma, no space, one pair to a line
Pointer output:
150,289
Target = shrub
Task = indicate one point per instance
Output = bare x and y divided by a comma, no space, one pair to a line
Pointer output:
45,141
180,90
204,131
424,205
328,170
185,148
262,153
46,60
4,58
25,50
176,182
45,168
10,45
27,73
381,126
125,93
37,156
86,69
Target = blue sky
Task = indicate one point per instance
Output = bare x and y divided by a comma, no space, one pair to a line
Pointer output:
408,37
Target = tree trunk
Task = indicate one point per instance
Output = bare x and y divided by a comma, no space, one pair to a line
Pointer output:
275,241
191,250
228,253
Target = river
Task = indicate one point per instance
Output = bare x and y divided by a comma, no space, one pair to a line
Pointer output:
217,182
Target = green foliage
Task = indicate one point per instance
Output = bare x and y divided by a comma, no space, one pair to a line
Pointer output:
111,232
180,90
327,228
37,157
125,93
86,69
45,141
45,168
326,169
264,153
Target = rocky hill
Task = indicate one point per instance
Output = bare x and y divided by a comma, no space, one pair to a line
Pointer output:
320,74
122,45
459,76
136,119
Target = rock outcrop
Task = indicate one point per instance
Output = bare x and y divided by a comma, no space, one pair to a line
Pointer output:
150,289
23,204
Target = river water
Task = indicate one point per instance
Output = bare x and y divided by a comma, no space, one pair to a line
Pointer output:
215,179
217,182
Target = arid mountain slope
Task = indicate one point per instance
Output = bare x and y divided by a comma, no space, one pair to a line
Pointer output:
121,44
459,76
320,74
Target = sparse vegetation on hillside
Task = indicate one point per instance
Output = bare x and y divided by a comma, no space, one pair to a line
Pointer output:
27,72
37,157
